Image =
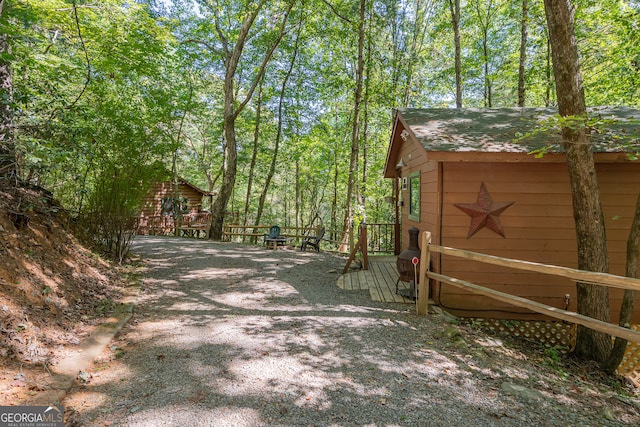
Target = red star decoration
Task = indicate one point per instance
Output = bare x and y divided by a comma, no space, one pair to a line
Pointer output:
484,212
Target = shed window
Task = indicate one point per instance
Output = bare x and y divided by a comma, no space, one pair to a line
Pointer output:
414,196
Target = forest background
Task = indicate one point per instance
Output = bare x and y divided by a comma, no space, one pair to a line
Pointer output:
284,107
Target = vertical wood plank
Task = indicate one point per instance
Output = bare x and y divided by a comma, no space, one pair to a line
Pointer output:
363,279
422,303
363,247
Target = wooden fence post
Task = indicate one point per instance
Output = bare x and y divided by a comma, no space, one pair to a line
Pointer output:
422,303
364,243
362,246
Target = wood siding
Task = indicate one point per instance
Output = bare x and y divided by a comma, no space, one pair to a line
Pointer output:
152,202
538,227
413,155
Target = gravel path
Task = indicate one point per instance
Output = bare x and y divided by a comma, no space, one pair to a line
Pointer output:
235,335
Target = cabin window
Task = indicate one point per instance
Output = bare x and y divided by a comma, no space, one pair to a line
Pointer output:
168,203
414,196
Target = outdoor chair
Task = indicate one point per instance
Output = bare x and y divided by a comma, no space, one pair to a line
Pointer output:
313,241
275,238
274,233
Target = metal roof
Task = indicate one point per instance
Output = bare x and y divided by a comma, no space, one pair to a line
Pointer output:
498,129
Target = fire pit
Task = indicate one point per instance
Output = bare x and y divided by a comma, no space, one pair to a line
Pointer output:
405,266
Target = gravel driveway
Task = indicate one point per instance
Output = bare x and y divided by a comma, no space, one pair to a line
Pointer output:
237,335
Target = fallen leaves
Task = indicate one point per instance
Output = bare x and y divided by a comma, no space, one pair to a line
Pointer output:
54,290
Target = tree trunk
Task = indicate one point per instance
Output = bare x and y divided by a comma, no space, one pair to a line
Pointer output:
254,157
334,196
592,300
233,109
484,18
548,75
454,6
276,148
355,130
229,169
298,195
362,192
8,165
524,25
628,300
397,54
419,32
487,81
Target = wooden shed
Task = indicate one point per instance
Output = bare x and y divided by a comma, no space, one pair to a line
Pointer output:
463,175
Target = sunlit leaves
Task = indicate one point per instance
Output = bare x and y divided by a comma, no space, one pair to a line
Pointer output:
156,82
79,118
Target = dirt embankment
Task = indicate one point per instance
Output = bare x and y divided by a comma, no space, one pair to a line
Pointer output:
53,291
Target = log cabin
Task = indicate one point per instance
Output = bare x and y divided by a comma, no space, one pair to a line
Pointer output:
448,164
156,216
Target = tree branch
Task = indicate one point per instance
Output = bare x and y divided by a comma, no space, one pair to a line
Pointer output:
335,11
266,60
53,41
86,56
206,44
223,39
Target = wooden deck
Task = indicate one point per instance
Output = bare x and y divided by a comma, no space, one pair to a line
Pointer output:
380,280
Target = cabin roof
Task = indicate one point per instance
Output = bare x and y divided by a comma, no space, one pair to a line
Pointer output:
497,129
196,188
480,134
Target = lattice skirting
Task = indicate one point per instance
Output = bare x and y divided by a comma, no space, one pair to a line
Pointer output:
630,365
563,335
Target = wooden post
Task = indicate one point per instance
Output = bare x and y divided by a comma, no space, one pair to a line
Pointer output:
364,242
352,243
177,223
362,245
422,303
396,224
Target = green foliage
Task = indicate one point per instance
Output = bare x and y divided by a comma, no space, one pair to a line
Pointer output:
611,64
553,357
107,94
110,216
594,124
90,94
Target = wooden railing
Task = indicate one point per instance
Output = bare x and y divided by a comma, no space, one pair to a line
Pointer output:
195,225
239,233
191,225
380,236
157,225
602,279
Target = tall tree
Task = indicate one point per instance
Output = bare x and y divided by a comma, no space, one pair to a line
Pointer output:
485,19
454,8
254,154
592,300
355,129
423,11
629,297
232,51
7,140
522,63
278,138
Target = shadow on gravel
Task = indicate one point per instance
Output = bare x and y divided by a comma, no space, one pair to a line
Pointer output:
231,335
